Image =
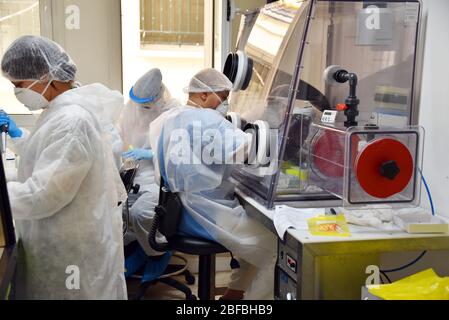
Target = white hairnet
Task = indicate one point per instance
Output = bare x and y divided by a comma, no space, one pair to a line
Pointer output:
37,58
209,80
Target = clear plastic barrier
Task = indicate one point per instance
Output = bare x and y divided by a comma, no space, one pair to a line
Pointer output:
382,167
292,43
367,165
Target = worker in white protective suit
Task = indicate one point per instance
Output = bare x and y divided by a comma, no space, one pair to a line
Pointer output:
65,200
107,106
196,147
149,98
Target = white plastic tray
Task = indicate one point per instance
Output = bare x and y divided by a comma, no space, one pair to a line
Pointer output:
421,223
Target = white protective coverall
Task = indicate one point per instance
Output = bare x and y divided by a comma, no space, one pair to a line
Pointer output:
134,128
65,202
207,194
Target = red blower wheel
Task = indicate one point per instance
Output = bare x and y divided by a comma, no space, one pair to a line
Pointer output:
328,153
384,167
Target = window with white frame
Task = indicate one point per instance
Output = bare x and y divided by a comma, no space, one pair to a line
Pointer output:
172,22
17,18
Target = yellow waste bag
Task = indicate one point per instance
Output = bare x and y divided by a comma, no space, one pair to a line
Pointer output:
426,285
335,226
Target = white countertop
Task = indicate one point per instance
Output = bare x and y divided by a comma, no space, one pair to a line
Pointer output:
358,233
261,208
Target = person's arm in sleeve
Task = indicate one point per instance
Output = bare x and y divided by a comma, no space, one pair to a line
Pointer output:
116,143
244,147
236,146
56,177
18,135
17,143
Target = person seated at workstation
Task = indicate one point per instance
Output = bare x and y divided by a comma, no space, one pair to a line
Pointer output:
212,209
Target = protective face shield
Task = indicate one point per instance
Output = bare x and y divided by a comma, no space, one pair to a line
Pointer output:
138,100
31,99
146,103
149,91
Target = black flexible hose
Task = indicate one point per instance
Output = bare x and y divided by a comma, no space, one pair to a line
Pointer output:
161,247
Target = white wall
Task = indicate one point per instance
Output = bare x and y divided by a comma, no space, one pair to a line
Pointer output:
96,45
130,42
434,110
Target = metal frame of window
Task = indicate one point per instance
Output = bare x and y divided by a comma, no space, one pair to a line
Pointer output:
225,29
167,20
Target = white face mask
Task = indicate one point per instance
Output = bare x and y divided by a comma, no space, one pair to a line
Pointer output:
223,108
31,99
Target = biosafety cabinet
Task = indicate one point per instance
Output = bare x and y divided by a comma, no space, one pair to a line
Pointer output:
336,83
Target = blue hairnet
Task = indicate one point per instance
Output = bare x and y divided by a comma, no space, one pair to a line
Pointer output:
37,58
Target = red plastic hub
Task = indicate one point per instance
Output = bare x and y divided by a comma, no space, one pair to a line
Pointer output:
341,107
328,153
374,157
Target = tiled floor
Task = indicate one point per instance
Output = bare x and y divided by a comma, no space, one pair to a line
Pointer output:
163,292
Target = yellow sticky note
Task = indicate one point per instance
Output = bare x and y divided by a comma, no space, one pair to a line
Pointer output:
329,226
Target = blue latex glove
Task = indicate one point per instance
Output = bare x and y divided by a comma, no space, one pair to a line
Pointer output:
13,130
139,154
